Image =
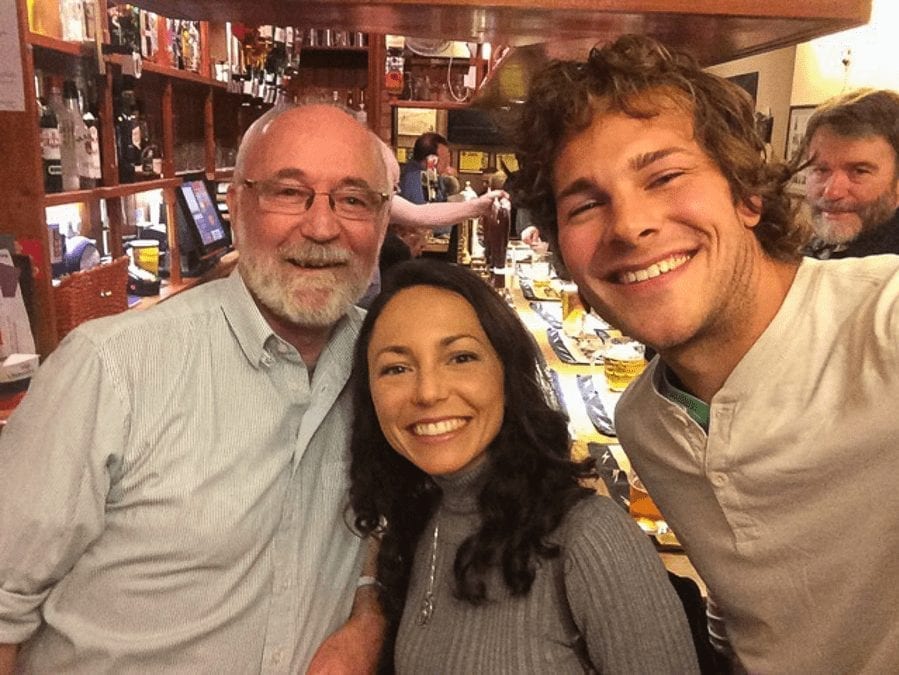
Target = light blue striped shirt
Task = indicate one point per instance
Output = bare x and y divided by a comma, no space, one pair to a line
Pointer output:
172,495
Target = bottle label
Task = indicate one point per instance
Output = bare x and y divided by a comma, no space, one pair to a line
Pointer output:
92,154
50,144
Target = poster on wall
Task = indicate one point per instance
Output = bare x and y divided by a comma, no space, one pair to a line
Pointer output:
507,161
748,82
472,161
12,84
799,117
415,121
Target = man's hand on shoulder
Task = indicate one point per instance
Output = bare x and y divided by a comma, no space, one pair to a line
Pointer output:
355,647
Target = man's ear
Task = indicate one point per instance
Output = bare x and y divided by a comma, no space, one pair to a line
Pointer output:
231,200
750,211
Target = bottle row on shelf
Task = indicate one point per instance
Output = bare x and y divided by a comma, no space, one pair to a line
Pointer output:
70,137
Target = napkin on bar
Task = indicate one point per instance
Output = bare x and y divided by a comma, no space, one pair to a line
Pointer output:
596,409
549,312
611,473
557,342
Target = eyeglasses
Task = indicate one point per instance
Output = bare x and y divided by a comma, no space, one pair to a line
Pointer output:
349,203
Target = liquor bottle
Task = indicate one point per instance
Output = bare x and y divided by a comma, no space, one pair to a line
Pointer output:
187,46
193,36
151,160
81,138
90,20
350,101
289,51
265,35
50,155
128,138
247,80
93,171
66,137
124,29
72,15
361,113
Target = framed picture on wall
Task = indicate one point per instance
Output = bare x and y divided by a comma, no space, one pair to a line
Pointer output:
415,121
507,161
799,117
473,161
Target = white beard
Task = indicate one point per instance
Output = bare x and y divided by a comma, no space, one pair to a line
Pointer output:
315,300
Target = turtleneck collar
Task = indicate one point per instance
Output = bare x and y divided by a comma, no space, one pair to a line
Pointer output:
461,489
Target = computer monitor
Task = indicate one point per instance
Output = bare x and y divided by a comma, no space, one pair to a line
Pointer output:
204,236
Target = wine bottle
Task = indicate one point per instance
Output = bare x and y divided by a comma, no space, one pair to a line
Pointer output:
72,15
50,155
193,36
60,103
81,138
93,171
128,138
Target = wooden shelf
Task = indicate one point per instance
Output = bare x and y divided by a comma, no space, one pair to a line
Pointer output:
57,45
72,197
361,50
124,189
437,105
166,71
109,192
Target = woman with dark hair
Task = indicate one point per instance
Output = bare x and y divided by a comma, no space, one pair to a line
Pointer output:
494,557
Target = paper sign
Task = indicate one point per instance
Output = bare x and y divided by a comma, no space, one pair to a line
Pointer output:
472,161
15,331
12,86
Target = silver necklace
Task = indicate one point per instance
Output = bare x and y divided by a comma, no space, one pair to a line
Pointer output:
427,603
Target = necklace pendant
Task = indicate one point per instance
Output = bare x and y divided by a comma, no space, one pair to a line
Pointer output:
427,609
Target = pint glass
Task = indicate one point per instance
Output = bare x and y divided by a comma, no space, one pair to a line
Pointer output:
623,361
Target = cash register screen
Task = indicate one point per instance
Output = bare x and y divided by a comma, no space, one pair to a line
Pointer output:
202,215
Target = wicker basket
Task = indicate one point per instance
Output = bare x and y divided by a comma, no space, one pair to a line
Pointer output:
96,292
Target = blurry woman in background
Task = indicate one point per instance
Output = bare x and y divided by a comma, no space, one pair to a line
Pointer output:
494,557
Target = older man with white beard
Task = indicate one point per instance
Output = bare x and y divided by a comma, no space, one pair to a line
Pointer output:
852,188
172,487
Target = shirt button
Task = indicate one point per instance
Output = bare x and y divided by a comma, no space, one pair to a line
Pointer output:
285,585
267,360
719,479
277,657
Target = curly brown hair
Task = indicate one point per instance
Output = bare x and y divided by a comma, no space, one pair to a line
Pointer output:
639,77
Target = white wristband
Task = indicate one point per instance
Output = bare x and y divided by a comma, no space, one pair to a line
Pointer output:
366,580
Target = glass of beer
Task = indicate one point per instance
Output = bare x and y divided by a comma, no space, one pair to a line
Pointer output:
623,361
572,310
541,273
641,504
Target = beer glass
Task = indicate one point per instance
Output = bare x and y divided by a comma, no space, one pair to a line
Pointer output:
572,310
641,504
623,361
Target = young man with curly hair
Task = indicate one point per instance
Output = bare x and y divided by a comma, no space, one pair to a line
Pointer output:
766,428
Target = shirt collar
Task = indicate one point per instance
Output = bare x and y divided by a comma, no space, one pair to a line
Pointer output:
696,408
254,334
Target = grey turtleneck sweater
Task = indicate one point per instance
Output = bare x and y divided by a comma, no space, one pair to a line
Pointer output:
607,589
